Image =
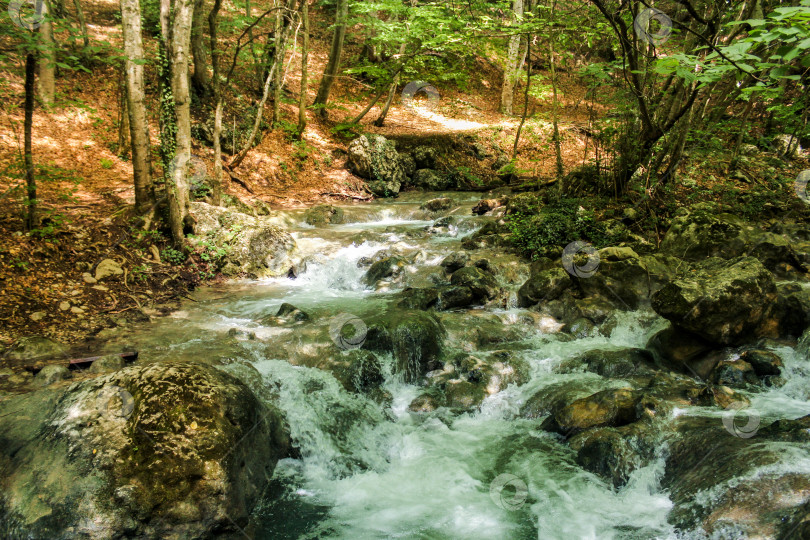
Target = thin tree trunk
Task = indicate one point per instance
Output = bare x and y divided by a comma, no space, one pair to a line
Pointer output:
123,119
302,99
47,65
278,54
136,104
200,80
512,57
31,217
216,187
381,118
554,109
525,97
82,24
333,64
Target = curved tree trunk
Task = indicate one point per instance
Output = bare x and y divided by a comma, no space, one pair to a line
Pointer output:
333,65
136,108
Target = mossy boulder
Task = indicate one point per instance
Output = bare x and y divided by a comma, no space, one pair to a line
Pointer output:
481,283
613,407
414,338
324,214
375,158
170,450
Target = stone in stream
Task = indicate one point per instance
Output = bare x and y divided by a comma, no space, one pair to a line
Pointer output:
764,363
486,205
249,245
483,284
323,214
615,452
375,158
171,450
107,363
734,373
385,268
683,352
615,407
414,338
51,374
455,261
616,363
728,302
292,313
30,348
543,286
437,205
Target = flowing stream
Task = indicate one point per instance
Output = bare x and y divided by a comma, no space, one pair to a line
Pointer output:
371,468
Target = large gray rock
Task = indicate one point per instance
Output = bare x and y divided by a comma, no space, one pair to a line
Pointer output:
375,159
170,450
726,302
245,244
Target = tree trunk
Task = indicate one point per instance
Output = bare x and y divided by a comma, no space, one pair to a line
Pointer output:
280,47
136,104
554,109
510,72
178,44
82,24
200,80
31,217
333,64
525,99
47,66
302,100
123,119
216,187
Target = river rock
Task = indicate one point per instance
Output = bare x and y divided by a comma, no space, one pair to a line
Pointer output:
250,245
557,395
764,363
437,205
107,363
683,352
424,156
612,363
51,374
543,286
455,261
614,407
725,302
170,450
486,205
30,348
614,452
108,268
415,338
385,268
734,373
323,214
375,158
482,284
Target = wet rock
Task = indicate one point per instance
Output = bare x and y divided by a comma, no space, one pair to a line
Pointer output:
557,395
426,402
486,205
615,407
323,214
291,313
453,297
414,338
431,180
170,450
544,286
482,284
247,244
734,373
376,159
614,363
725,302
579,328
614,453
683,352
705,457
108,268
107,363
455,261
361,371
30,348
384,268
437,205
51,374
425,157
764,363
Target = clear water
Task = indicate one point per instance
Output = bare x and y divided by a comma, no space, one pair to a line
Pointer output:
368,470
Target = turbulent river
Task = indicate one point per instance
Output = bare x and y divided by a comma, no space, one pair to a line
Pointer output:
370,467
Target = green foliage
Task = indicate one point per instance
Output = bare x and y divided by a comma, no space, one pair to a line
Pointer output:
534,227
173,256
106,163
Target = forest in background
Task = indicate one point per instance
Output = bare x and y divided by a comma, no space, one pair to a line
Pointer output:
117,115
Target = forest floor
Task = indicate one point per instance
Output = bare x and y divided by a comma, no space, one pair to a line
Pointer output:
86,186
